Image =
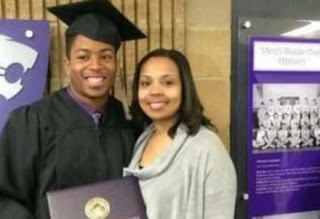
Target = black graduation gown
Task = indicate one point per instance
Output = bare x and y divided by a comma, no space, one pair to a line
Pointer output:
54,144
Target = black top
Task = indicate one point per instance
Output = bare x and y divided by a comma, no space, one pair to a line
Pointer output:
54,144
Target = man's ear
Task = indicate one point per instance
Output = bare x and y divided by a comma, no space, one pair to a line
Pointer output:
67,65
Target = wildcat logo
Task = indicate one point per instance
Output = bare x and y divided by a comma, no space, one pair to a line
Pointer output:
16,60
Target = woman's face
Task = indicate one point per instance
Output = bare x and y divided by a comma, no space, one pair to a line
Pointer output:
160,90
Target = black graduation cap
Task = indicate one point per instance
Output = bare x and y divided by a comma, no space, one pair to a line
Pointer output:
98,20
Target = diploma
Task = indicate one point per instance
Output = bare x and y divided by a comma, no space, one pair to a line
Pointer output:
112,199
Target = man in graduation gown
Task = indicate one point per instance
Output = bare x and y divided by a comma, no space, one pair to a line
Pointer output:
55,143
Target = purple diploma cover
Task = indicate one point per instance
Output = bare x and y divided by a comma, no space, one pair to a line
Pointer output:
113,199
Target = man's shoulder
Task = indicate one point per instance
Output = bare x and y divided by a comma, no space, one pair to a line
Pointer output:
39,108
114,102
43,104
118,110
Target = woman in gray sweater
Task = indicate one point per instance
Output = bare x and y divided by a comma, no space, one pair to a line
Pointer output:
183,168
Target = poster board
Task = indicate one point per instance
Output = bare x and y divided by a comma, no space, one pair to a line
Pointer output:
283,126
24,49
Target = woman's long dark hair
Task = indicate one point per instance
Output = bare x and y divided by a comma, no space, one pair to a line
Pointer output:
191,109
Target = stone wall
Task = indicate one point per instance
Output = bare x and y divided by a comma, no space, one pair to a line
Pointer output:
208,47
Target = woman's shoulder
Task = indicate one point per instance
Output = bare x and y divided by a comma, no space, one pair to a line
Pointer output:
206,151
206,139
144,135
207,145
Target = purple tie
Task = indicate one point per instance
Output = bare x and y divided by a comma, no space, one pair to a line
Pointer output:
96,118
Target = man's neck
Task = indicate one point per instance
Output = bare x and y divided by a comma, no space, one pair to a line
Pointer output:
89,103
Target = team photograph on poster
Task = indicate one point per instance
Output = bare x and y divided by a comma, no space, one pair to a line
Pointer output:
286,117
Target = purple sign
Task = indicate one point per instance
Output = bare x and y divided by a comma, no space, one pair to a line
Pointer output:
283,127
24,52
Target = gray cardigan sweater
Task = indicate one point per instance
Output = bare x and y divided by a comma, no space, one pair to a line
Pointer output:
193,179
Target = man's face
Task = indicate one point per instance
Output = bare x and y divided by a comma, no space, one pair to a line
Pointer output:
92,66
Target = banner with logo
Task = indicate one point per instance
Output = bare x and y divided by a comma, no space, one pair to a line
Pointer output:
24,52
283,128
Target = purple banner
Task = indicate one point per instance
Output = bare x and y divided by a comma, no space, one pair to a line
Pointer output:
24,52
283,127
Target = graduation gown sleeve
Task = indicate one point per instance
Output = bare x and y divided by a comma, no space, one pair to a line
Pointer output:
19,145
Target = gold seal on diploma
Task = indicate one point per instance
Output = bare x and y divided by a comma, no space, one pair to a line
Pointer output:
97,208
